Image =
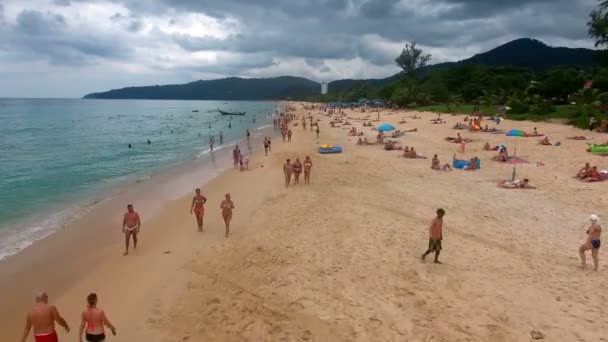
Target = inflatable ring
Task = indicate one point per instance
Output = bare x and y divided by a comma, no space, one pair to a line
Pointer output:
327,146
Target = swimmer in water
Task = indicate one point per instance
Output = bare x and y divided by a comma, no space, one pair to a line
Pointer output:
221,138
149,142
227,206
130,146
198,207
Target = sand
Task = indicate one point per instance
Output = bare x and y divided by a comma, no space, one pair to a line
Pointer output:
339,260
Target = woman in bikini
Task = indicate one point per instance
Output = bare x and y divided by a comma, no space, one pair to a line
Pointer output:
297,170
94,320
308,168
227,206
198,207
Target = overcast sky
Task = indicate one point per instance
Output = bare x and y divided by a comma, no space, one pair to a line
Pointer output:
67,48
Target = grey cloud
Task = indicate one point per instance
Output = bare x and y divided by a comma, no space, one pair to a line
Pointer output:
62,2
378,8
135,26
36,23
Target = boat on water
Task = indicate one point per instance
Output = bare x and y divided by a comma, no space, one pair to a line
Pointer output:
229,113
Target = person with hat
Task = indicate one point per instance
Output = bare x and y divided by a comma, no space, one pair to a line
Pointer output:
593,242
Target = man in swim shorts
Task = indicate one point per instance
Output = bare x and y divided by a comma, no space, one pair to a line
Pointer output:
435,236
593,242
130,227
287,171
42,318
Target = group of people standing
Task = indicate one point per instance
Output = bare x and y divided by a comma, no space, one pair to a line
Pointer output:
295,169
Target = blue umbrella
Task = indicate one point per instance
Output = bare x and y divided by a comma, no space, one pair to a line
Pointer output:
386,127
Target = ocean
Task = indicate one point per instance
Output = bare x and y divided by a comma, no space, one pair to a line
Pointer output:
60,156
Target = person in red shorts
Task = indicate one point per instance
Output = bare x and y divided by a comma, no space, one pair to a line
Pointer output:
198,207
42,318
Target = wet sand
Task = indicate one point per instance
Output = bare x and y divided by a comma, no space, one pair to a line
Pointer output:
339,260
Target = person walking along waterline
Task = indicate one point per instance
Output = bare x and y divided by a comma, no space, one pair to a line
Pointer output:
227,206
130,227
307,169
94,320
42,318
198,207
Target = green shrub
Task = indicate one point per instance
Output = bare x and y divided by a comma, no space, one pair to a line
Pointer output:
518,107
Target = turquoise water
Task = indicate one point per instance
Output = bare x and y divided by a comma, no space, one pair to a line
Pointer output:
54,152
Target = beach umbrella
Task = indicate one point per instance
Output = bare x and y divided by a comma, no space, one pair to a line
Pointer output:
516,133
386,127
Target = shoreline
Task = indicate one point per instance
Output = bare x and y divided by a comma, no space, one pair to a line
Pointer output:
339,259
18,236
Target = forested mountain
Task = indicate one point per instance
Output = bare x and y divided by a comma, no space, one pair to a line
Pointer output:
522,53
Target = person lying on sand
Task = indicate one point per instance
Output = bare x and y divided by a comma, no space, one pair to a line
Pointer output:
580,137
584,172
516,184
416,117
398,133
412,154
412,130
402,121
545,142
436,165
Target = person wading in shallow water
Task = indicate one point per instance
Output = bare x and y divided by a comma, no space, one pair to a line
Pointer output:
227,206
198,207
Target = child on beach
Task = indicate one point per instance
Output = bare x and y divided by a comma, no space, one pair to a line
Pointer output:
435,236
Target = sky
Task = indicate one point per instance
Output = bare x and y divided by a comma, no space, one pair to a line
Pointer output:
68,48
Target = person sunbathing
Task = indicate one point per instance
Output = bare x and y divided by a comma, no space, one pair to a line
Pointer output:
487,147
360,141
412,154
473,165
436,165
545,142
402,121
593,176
391,146
412,130
579,137
517,184
352,132
584,172
416,117
397,134
534,133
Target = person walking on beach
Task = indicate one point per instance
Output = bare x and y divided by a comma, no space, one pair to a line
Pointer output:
42,318
198,207
227,206
297,170
307,169
94,320
236,155
266,145
211,143
287,171
248,135
221,137
435,236
318,131
130,227
593,243
289,135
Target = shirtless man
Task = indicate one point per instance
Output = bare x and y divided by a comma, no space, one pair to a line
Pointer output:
593,242
42,318
307,169
582,173
287,171
94,320
227,206
130,227
435,163
198,207
435,236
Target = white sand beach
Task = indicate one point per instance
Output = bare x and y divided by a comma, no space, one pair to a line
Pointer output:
339,260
